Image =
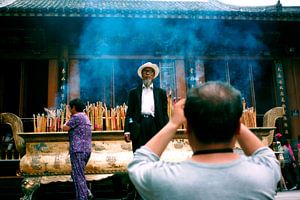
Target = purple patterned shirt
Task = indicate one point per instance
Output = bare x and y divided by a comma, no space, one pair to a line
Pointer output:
80,134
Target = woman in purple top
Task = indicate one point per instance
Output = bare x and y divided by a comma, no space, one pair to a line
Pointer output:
80,138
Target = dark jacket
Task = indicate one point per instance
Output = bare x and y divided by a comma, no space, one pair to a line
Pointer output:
134,108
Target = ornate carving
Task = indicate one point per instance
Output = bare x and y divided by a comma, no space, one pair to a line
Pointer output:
29,186
111,160
126,146
17,127
269,120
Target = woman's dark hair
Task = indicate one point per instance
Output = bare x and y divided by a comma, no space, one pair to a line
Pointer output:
79,105
213,111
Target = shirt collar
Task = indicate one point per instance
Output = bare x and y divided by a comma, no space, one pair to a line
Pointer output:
151,86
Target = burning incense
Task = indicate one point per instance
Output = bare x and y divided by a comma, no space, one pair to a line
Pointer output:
113,119
249,115
96,117
100,115
92,115
34,124
123,111
118,118
97,113
107,118
170,103
62,117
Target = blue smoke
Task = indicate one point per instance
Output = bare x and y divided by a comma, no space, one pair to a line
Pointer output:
106,40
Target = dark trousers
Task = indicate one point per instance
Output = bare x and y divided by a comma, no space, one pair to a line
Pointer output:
148,129
289,173
78,162
132,193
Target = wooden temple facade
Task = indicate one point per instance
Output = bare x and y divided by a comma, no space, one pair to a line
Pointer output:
52,51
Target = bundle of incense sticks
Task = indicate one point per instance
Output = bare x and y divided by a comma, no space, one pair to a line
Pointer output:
249,116
95,114
40,122
52,121
87,110
118,118
170,103
123,110
113,121
107,118
92,115
101,117
100,110
104,118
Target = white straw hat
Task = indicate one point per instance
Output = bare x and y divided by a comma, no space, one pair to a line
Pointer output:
151,65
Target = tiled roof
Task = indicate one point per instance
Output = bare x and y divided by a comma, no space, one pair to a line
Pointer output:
202,9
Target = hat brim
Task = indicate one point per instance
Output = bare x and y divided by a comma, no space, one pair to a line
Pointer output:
151,65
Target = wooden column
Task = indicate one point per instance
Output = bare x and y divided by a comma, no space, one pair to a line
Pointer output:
74,79
180,79
292,75
52,83
22,90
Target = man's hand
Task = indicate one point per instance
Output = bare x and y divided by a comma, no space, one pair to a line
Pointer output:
127,137
178,118
160,141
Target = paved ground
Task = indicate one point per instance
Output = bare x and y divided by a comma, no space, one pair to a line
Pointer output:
286,195
103,190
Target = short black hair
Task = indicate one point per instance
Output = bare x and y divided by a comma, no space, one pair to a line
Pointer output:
213,111
79,105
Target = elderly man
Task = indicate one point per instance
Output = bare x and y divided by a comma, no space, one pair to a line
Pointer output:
147,110
214,171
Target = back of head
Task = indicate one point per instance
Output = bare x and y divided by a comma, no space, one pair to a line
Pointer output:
79,105
213,112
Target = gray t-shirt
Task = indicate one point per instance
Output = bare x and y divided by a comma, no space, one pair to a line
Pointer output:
253,177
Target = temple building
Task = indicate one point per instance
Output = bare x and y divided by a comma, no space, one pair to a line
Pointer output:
53,51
